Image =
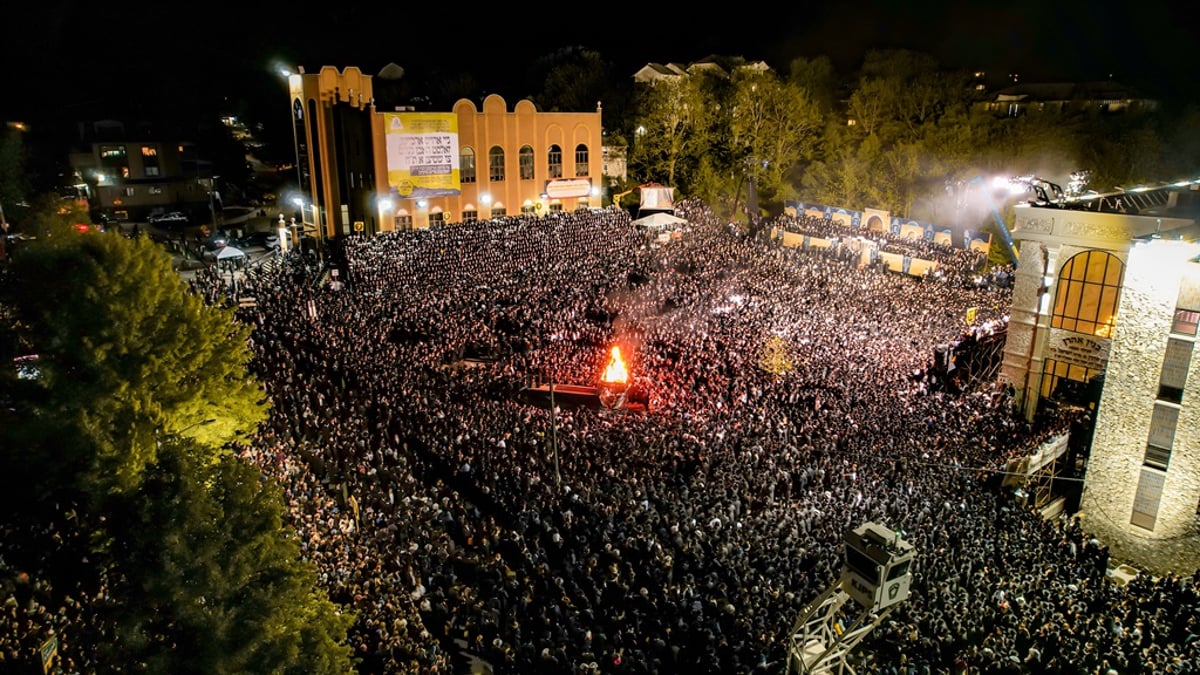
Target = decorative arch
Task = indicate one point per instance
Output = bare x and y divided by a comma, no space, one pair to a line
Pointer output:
1086,296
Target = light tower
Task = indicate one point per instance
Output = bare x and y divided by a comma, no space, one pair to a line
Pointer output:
875,579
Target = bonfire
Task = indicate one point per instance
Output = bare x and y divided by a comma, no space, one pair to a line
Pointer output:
614,381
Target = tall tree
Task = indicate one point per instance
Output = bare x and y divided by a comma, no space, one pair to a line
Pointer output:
674,128
125,355
774,125
818,79
211,580
123,421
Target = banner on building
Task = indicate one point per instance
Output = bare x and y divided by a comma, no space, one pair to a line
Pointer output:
422,154
563,188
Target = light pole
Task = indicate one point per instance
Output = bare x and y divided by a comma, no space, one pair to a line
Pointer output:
554,438
303,206
298,230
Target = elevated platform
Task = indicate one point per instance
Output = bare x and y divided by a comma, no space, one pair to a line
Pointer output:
565,396
577,396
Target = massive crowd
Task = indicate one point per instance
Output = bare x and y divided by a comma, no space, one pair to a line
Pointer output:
461,522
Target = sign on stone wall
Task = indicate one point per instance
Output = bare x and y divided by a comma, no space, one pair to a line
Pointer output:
1078,349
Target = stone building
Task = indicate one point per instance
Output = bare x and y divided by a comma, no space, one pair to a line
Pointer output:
1104,316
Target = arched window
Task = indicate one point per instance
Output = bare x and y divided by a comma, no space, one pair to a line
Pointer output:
1085,301
466,164
526,162
403,220
436,217
554,161
496,164
581,160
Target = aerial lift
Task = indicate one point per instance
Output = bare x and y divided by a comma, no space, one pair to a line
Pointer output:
875,579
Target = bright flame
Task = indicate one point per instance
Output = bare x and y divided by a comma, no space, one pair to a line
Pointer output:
616,372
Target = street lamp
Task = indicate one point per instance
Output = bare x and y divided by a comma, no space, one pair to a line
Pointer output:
385,204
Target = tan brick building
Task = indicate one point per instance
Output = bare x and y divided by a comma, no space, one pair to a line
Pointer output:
491,162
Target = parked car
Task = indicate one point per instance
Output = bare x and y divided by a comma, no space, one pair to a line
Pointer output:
267,240
171,218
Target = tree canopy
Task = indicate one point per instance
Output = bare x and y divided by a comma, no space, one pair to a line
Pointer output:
125,355
123,415
891,137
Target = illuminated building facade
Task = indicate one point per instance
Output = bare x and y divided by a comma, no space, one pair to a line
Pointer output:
370,171
1104,316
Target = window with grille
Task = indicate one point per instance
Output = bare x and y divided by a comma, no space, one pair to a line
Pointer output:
528,210
403,222
466,165
554,162
499,211
1086,297
526,162
496,164
1089,287
1147,498
437,218
470,216
581,160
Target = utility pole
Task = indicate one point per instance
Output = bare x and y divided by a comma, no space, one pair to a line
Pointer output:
554,438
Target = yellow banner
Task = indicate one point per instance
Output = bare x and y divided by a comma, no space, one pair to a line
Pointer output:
422,154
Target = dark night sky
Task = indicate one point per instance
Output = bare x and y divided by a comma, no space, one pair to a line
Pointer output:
61,52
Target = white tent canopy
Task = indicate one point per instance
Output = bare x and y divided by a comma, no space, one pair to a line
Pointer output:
230,253
659,221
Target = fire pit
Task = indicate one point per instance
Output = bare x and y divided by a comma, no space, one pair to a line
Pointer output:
614,383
